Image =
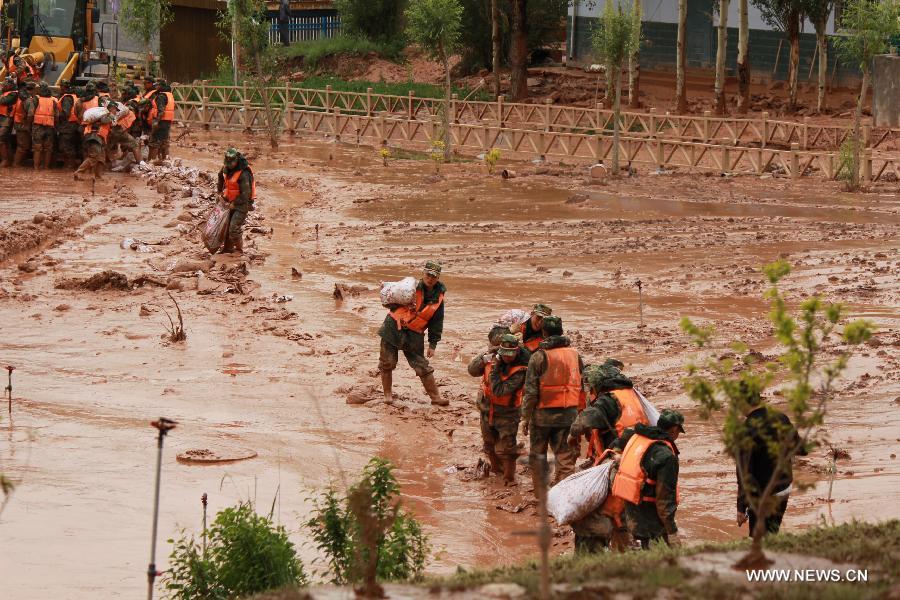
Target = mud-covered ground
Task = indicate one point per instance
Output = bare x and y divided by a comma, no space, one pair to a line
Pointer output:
271,356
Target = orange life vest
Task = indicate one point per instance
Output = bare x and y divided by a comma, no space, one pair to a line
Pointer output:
533,343
7,110
19,112
126,120
560,385
92,103
631,413
101,130
631,477
416,318
73,116
44,113
514,399
233,188
168,111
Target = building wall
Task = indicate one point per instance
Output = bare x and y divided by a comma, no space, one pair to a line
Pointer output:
191,43
659,48
129,49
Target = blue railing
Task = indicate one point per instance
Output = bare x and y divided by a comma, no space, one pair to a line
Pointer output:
301,29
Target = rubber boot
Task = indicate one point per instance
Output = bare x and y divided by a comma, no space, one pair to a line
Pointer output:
48,159
431,389
228,246
509,470
4,155
98,170
19,157
387,382
37,156
152,154
239,244
496,463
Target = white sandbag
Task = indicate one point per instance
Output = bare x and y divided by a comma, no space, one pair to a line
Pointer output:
401,292
578,495
94,114
514,316
649,410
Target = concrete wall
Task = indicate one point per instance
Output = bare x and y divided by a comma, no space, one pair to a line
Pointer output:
886,91
130,50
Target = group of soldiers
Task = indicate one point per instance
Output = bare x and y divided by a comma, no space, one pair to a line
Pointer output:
55,127
532,376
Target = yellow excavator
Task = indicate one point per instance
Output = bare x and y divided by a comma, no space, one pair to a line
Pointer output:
54,40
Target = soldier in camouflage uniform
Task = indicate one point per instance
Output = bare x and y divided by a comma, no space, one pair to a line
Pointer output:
499,399
22,125
69,129
8,98
43,135
404,330
653,517
119,136
553,396
94,149
238,188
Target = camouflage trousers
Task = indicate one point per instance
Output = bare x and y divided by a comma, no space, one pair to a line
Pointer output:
94,159
69,142
236,219
389,355
159,135
499,437
43,138
556,439
119,137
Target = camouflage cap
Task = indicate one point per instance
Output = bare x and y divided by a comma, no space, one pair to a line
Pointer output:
552,326
90,87
597,377
30,85
541,310
669,418
44,89
232,154
64,84
432,267
509,345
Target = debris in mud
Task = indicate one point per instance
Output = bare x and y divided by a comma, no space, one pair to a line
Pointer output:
62,307
28,267
216,455
142,280
338,294
107,280
176,333
516,508
145,311
295,274
279,298
577,198
21,236
133,244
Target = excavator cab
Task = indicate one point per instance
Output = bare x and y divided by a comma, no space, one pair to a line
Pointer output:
53,40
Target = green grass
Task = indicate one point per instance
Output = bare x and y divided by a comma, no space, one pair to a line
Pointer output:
421,90
314,51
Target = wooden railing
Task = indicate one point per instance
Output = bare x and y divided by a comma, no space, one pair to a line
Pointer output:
409,120
762,132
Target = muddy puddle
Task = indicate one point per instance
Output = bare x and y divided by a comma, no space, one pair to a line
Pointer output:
269,370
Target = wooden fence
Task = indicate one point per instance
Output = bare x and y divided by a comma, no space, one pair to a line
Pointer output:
355,117
302,29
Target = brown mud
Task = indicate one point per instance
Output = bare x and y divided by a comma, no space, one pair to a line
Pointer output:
272,359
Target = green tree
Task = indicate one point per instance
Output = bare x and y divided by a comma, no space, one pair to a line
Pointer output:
721,51
634,62
786,16
866,29
615,38
365,535
518,51
435,25
246,554
818,12
681,59
725,385
376,20
144,19
743,60
247,23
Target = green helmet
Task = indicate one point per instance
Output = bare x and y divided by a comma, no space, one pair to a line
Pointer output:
552,326
232,154
509,345
44,89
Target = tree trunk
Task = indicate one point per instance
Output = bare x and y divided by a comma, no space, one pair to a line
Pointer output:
518,54
822,42
271,125
680,91
445,121
634,63
617,105
495,45
721,50
743,61
147,59
857,133
794,67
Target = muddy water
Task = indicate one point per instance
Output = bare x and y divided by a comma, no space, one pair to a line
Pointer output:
92,375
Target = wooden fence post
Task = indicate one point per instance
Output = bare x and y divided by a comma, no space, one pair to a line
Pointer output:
795,160
335,125
706,116
726,159
369,102
328,98
547,103
204,105
410,111
764,126
660,155
653,122
500,109
866,135
288,112
246,101
454,116
804,134
867,166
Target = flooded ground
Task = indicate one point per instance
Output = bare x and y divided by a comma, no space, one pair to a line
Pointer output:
92,368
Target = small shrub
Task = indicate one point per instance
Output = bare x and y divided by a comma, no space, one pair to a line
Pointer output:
848,165
491,158
366,535
246,554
